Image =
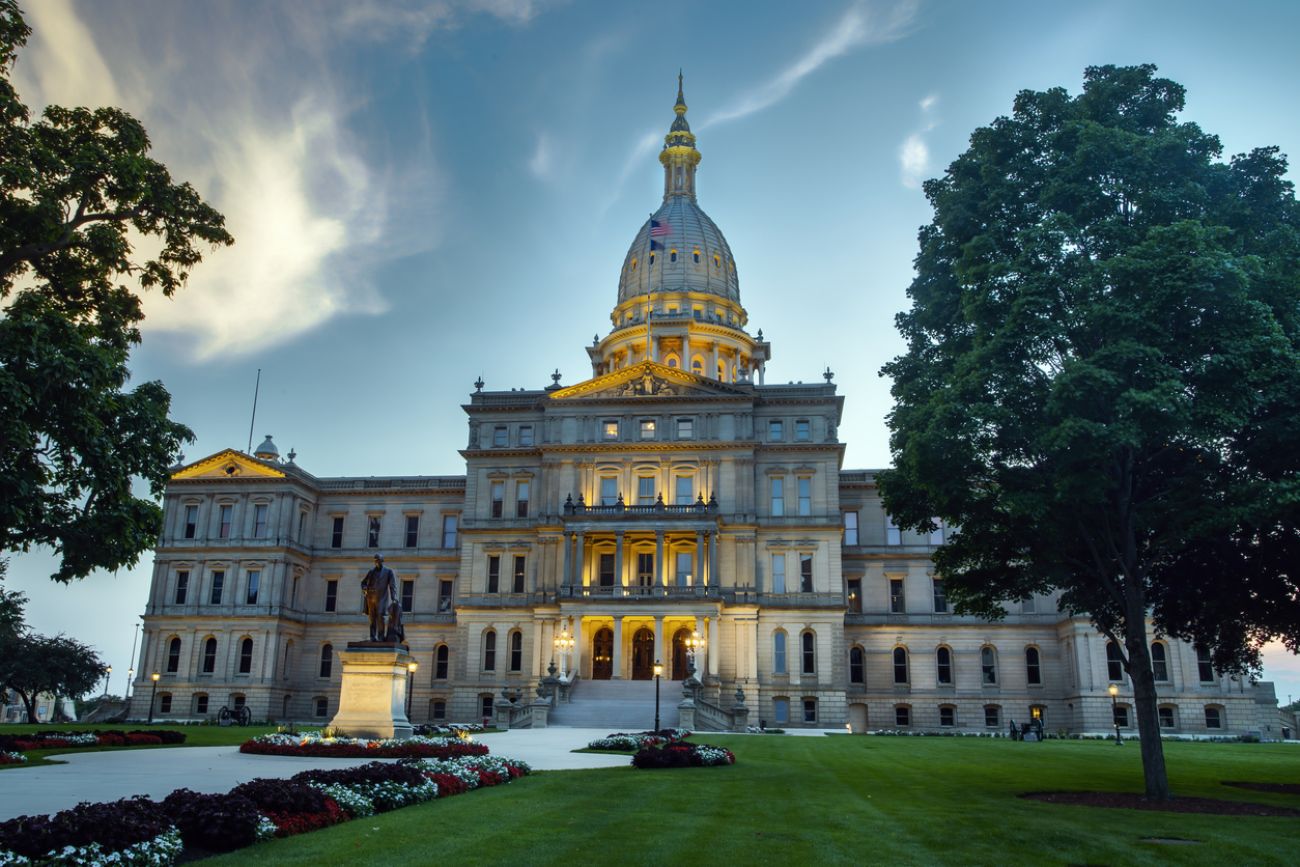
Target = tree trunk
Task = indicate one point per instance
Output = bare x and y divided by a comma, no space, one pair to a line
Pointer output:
1144,705
30,704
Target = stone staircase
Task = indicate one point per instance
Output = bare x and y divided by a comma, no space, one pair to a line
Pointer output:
618,705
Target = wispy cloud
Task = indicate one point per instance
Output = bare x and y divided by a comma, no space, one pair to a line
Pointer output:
861,24
414,21
543,159
914,153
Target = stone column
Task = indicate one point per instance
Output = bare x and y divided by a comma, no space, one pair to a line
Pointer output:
712,649
619,581
699,558
618,647
580,577
659,560
567,575
713,559
578,649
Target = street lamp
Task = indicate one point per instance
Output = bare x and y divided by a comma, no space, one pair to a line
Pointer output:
410,684
694,645
1114,712
108,675
130,679
659,670
564,642
155,677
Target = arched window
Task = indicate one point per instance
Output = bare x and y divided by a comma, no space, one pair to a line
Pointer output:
516,650
1033,667
173,655
327,660
857,667
778,652
672,255
652,258
441,660
671,361
633,263
1159,661
717,261
697,366
1114,662
696,254
988,666
808,650
943,665
900,665
490,650
246,656
1214,716
210,655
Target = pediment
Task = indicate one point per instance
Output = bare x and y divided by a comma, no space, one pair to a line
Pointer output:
227,464
647,379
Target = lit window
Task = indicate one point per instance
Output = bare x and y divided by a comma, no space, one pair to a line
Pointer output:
685,426
610,429
850,528
854,593
897,599
1033,667
647,428
778,573
893,535
943,665
900,665
777,485
988,666
802,430
940,597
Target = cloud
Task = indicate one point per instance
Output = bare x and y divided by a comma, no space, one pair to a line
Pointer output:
264,137
414,21
914,153
859,25
543,158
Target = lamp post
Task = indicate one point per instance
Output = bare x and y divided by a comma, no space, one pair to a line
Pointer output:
130,679
1114,713
108,675
410,685
564,642
659,670
155,677
694,645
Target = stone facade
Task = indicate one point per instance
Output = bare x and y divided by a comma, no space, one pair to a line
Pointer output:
674,497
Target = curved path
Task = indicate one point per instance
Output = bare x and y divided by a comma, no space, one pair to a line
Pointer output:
109,775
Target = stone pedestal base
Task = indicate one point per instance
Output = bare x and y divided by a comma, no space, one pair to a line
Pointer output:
372,703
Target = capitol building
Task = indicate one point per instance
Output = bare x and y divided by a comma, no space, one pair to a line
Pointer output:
673,508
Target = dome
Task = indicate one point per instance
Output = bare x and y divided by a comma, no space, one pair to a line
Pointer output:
680,225
267,450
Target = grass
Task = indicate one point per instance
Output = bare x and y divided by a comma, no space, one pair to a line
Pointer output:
195,736
835,800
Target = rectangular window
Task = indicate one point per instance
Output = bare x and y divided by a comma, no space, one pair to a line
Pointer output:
605,570
165,703
408,596
1028,605
522,493
992,716
1120,716
780,710
182,586
810,710
854,591
609,429
685,490
322,707
439,710
302,526
372,532
200,703
777,487
444,596
608,491
498,495
517,585
685,428
778,653
331,595
259,520
645,491
1166,713
647,428
805,573
500,436
897,601
449,523
805,496
525,435
226,513
940,597
775,431
902,715
778,573
893,535
850,528
218,585
683,568
802,430
1213,718
645,570
1204,665
191,521
947,716
412,530
336,534
254,579
494,574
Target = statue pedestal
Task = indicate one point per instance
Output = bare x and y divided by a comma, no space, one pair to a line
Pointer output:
372,703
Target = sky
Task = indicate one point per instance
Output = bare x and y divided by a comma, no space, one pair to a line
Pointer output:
423,193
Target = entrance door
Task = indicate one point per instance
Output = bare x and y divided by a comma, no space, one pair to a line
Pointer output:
602,654
858,718
643,654
679,653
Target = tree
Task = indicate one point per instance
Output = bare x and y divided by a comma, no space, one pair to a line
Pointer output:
56,665
76,188
1101,385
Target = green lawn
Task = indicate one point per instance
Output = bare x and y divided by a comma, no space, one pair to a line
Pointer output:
195,736
859,800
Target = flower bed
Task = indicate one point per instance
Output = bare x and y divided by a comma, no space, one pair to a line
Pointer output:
138,831
453,729
316,745
62,740
683,755
12,758
626,742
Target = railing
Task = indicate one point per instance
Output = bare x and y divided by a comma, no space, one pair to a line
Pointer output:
699,591
710,717
659,509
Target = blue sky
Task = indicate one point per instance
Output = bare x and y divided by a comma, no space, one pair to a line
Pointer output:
426,192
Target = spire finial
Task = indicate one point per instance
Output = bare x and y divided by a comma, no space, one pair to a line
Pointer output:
681,98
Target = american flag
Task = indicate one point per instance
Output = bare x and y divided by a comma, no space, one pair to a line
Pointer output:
659,230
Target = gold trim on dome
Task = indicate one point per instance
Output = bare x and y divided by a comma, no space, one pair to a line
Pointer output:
645,379
227,464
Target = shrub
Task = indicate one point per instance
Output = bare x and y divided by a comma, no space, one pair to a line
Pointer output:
218,823
12,758
282,796
683,755
113,826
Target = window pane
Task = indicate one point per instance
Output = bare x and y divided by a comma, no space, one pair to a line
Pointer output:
685,490
778,573
254,579
850,528
897,601
940,597
645,491
802,430
893,535
412,530
449,531
805,496
372,532
608,491
778,653
685,428
805,573
778,496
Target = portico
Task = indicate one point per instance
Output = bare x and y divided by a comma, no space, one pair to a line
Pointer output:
625,645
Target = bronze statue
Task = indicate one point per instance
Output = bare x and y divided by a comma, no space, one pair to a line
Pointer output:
382,606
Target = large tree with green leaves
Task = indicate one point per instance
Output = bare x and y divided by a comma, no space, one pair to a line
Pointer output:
1102,382
77,188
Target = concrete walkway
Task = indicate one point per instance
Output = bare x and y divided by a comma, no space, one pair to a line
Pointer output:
107,776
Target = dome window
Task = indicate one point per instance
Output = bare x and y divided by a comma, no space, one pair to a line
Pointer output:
697,366
717,261
697,256
634,263
652,258
672,256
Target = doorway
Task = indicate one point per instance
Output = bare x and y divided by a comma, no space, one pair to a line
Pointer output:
643,654
602,654
679,653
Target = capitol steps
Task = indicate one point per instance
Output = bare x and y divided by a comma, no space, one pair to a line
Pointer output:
618,705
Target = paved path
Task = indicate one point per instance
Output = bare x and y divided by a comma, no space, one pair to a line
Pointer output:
107,776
